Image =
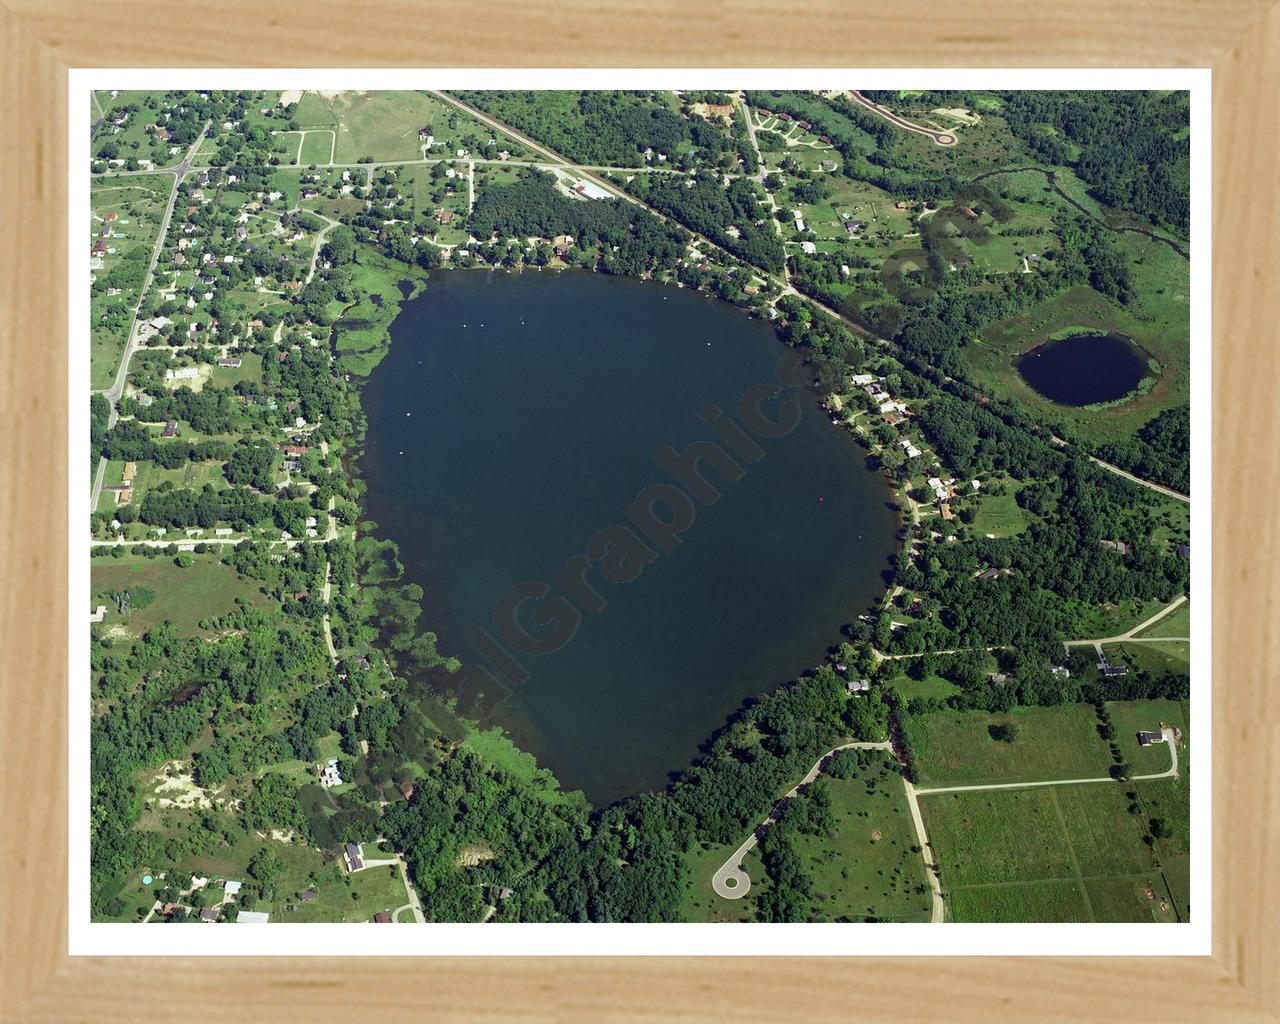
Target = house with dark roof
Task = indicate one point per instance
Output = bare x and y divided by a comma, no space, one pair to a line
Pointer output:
354,863
1145,739
382,917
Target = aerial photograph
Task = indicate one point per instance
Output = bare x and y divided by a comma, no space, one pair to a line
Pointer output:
638,506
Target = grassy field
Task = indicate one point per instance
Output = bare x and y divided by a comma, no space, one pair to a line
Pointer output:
1176,623
184,596
1062,742
494,746
699,902
1000,515
317,147
381,125
1030,903
1130,716
866,868
1156,657
1062,853
929,686
1157,322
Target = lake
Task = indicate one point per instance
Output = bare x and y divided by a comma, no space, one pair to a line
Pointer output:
1084,369
516,418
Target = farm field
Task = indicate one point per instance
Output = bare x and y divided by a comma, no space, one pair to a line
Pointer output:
1060,853
1059,742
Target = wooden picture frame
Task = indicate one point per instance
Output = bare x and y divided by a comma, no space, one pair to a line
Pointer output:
1239,39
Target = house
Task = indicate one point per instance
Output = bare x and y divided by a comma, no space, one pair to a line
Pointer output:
1184,551
1115,545
989,574
209,914
170,429
252,917
444,216
937,486
860,379
129,472
856,686
309,896
354,863
231,888
99,248
1145,739
945,509
912,451
99,613
1108,668
381,917
329,774
233,364
899,205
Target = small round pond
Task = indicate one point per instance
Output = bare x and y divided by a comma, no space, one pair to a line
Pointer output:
1084,369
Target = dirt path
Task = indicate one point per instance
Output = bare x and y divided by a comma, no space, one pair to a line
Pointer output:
937,912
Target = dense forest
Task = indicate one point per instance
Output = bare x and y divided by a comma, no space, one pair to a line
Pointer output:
1131,147
1161,451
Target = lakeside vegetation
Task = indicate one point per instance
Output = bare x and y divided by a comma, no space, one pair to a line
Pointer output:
216,696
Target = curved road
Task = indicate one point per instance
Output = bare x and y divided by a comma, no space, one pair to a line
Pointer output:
730,881
941,138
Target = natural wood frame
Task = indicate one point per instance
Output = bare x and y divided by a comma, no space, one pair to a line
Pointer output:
40,39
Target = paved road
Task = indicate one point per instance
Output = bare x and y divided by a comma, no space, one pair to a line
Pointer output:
117,389
1168,491
941,138
315,256
730,881
1131,636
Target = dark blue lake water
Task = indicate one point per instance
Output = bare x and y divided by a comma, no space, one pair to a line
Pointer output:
1084,369
516,416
